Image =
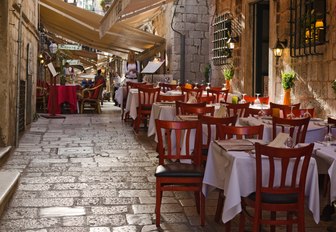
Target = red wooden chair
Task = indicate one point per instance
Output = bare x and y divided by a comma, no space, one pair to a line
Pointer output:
180,105
176,176
170,98
297,128
275,108
283,190
237,109
207,99
192,110
167,87
299,113
218,93
211,125
91,97
197,93
147,96
227,132
241,132
250,99
252,111
129,85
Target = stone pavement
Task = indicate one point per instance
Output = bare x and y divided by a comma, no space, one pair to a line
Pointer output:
91,172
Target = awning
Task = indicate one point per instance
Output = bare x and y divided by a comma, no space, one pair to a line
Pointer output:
134,11
82,26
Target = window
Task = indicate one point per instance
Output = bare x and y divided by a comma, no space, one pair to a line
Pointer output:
307,26
221,39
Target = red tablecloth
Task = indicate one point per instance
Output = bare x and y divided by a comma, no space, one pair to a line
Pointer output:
64,93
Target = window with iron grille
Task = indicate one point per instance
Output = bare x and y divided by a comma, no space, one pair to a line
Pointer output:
221,38
307,26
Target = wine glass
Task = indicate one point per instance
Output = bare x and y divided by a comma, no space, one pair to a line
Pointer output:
306,114
224,86
196,84
261,113
257,100
242,101
291,115
328,138
289,143
208,86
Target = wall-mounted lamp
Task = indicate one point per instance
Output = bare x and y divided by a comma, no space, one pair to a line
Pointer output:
278,49
232,41
41,59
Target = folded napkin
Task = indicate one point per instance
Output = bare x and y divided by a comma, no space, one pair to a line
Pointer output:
236,144
187,117
250,121
279,140
192,99
221,112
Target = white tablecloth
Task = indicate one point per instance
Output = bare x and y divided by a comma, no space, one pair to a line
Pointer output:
132,103
120,95
314,132
326,162
234,172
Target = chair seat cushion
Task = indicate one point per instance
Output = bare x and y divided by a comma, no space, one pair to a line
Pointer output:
276,198
179,170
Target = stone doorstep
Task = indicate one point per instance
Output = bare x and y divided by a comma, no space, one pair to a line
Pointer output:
8,183
4,151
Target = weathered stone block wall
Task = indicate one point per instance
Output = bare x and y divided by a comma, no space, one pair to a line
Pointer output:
314,72
192,20
9,61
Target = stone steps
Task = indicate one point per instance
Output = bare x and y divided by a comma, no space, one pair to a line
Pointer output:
8,180
4,154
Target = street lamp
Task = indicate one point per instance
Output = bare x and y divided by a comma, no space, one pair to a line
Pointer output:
53,48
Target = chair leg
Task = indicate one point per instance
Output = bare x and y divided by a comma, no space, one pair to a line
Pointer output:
202,208
242,220
82,107
158,204
220,204
197,201
273,218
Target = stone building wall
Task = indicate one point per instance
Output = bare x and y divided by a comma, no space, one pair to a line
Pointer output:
10,14
314,72
191,18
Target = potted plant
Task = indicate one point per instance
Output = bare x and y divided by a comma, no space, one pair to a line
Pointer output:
228,72
207,70
287,81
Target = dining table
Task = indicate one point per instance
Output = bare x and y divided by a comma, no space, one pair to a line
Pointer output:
325,155
64,93
315,132
234,172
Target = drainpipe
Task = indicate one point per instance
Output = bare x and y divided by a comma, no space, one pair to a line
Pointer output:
18,76
182,47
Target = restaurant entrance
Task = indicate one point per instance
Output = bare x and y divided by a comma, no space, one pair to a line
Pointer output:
260,14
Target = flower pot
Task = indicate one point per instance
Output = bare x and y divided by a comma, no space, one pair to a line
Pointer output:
228,85
287,97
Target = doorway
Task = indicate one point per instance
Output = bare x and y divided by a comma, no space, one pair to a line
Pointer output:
260,13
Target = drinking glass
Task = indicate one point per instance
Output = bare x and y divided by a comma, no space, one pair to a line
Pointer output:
289,143
224,86
291,115
261,113
257,101
242,101
328,138
208,86
196,85
306,114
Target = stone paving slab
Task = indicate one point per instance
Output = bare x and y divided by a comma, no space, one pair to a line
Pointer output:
91,173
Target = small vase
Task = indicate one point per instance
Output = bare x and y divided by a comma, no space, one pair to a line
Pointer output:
287,97
228,85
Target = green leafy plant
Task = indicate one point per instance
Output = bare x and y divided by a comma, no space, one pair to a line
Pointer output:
287,79
228,72
207,70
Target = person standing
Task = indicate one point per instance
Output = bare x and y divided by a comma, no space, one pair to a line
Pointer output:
132,68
